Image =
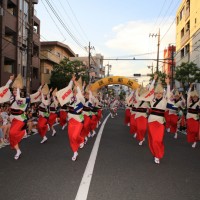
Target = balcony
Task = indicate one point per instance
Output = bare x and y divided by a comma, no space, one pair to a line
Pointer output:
9,49
11,21
46,55
185,38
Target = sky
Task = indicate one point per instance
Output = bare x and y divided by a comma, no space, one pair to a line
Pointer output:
116,29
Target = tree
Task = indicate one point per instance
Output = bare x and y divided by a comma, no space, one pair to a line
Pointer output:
161,76
187,73
62,73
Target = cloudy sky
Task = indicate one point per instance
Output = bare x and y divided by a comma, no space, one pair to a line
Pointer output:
117,29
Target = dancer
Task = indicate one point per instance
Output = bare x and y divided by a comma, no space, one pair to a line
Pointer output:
156,121
18,117
44,113
192,116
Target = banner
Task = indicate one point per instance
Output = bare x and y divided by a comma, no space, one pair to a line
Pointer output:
64,95
114,80
147,96
5,94
36,97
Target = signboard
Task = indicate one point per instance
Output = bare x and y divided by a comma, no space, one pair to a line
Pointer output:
114,80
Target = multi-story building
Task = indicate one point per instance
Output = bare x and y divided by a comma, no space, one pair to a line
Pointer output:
14,26
96,70
169,57
52,53
188,32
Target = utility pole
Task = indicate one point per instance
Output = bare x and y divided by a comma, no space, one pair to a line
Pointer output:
89,60
157,35
172,65
29,47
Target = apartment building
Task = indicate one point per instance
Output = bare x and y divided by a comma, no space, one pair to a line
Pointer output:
96,70
188,33
52,52
14,28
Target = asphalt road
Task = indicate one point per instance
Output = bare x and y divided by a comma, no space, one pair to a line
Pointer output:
123,169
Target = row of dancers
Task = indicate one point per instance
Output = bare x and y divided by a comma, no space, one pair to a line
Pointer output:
155,109
79,108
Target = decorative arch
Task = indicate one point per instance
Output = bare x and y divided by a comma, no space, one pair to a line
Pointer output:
121,80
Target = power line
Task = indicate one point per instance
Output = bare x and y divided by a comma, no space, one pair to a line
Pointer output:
77,20
53,20
64,26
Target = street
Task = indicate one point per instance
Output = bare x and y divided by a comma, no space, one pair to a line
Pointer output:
123,170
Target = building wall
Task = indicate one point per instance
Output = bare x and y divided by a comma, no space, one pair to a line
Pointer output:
52,53
188,32
13,40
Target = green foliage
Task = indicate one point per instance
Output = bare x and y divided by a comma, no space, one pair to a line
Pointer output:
122,95
62,73
187,73
161,76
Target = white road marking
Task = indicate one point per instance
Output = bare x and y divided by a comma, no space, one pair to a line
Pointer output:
87,176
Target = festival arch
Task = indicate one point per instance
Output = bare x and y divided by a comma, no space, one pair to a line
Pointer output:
121,80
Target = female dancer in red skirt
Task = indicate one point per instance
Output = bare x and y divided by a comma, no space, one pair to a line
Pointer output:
156,121
192,117
18,117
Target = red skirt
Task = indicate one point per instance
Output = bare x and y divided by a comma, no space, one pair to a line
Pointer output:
16,134
141,123
99,114
127,116
167,119
93,123
74,133
133,126
173,120
63,117
42,126
52,119
192,130
86,126
155,137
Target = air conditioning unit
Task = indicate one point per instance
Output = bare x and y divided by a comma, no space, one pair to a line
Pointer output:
35,1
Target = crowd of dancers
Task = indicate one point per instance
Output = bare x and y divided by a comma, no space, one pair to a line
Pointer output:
153,110
74,106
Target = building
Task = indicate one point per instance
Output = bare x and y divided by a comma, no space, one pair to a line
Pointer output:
96,70
52,53
169,57
188,33
14,29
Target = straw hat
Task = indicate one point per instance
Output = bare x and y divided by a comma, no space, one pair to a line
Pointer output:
18,82
45,89
194,93
54,92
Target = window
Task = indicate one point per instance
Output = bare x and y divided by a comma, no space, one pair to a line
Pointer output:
35,50
181,13
195,20
8,65
187,48
182,52
182,32
177,20
46,71
187,26
12,8
35,73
